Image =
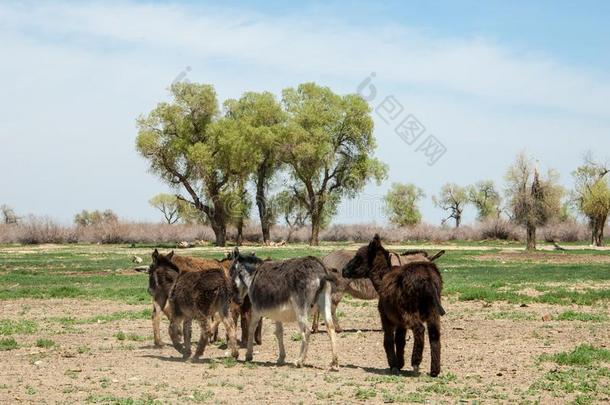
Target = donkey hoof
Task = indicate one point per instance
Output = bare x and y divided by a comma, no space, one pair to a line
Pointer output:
416,369
248,357
159,345
394,370
435,373
281,360
298,363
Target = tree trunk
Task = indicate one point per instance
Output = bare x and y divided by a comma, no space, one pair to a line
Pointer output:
531,237
598,231
315,230
261,203
240,231
219,224
458,221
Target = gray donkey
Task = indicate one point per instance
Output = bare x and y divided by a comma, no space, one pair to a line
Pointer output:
285,291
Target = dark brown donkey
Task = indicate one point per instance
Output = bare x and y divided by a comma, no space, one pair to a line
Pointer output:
361,288
199,295
409,297
161,279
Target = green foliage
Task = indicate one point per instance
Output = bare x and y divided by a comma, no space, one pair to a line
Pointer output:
581,316
592,196
583,355
8,344
365,393
45,343
87,218
452,199
10,327
328,147
486,199
401,204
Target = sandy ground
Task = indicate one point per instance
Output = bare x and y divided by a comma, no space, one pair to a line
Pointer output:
491,360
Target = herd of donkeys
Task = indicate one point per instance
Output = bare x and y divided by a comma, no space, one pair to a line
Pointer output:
407,285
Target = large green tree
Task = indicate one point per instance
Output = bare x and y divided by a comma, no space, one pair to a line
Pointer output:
532,201
260,117
453,199
328,147
192,148
592,194
401,204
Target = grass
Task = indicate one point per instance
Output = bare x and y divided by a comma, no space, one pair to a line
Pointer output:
8,344
583,355
120,335
581,316
9,327
90,272
45,343
365,393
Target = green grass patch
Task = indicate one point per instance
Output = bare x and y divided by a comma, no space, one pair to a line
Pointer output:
115,316
511,315
22,327
8,344
114,400
45,343
363,393
581,316
583,355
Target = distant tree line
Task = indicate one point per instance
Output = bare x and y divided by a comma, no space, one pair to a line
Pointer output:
530,199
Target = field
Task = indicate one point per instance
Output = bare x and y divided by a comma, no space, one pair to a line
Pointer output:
520,327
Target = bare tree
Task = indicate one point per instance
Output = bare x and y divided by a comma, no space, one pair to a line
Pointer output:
8,215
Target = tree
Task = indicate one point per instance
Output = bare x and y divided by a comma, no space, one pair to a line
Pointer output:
87,218
291,209
328,148
169,205
486,199
401,204
592,196
261,118
532,201
453,199
8,215
190,147
238,209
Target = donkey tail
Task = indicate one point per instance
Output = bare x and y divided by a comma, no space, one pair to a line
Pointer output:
436,299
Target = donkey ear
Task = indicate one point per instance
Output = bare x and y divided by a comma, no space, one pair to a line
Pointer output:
253,253
155,256
170,255
236,252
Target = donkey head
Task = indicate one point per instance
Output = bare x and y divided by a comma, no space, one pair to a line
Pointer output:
362,263
161,264
242,270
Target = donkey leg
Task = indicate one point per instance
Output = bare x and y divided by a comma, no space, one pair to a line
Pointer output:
246,315
187,330
203,338
251,330
213,328
174,334
418,345
229,323
434,335
400,338
258,337
156,323
325,304
315,310
302,321
388,343
336,299
279,335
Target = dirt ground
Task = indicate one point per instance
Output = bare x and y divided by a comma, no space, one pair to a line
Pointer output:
494,360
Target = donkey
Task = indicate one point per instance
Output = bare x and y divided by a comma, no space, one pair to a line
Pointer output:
162,278
198,295
361,288
285,291
409,297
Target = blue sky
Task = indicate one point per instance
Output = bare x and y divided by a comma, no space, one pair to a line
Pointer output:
487,79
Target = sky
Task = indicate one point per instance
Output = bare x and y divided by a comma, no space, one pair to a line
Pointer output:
484,80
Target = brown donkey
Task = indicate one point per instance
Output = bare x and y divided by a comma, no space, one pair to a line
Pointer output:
198,295
409,297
